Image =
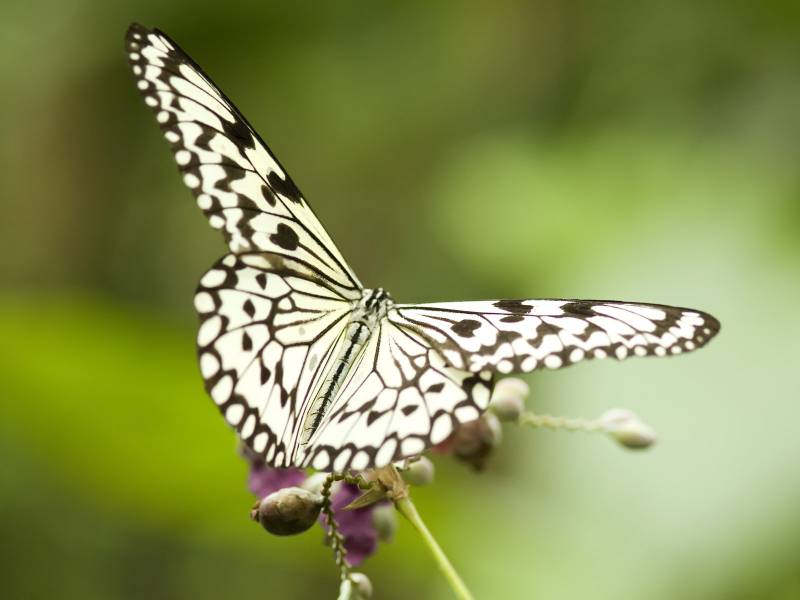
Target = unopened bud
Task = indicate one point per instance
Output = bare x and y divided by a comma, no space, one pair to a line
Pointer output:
362,584
507,408
419,472
511,386
626,428
495,429
314,482
474,441
288,511
508,399
357,586
384,519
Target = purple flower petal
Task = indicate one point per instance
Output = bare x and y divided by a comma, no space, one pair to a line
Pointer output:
264,480
360,535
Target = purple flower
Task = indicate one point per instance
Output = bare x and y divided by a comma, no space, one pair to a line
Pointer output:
264,480
357,526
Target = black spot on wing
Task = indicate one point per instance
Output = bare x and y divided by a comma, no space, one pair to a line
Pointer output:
239,131
247,342
512,319
285,237
584,309
248,308
465,327
261,279
408,410
513,306
269,195
435,388
265,374
284,187
374,415
506,337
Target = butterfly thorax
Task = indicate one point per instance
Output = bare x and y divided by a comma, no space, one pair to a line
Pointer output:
367,312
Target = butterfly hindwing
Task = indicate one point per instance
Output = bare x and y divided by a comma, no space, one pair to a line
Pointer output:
267,335
237,182
520,336
401,399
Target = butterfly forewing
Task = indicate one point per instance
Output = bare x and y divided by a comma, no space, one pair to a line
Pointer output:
238,183
520,336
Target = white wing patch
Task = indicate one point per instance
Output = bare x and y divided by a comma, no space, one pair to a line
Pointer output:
236,180
520,336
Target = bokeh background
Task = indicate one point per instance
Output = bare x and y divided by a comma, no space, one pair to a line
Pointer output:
634,150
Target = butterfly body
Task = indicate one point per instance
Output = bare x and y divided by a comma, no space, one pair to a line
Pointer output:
365,316
311,368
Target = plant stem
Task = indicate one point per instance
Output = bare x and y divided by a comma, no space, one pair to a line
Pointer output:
336,538
409,511
555,423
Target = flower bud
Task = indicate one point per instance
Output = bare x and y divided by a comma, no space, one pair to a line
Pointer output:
474,441
314,482
495,429
288,511
508,399
626,428
507,408
384,519
419,472
362,584
511,386
357,586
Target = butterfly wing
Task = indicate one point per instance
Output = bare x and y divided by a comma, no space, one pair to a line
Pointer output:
520,336
273,312
402,398
268,334
238,183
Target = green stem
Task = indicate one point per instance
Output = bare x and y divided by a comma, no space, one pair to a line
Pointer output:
409,511
564,423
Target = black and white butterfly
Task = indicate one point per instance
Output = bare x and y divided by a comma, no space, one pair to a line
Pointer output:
311,368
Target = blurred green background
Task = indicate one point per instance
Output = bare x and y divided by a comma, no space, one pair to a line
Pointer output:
641,151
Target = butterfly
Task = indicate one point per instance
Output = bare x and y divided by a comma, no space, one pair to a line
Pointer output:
311,368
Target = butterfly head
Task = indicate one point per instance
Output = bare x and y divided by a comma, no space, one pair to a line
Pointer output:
376,300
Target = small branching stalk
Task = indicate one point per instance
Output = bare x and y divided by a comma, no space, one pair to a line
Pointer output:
335,537
291,501
556,423
622,425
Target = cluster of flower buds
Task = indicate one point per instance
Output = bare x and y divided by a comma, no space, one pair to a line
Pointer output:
290,503
474,442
